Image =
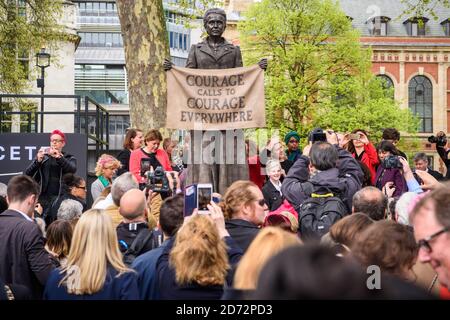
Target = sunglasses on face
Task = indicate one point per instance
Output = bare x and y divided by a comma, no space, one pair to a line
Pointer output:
425,243
261,202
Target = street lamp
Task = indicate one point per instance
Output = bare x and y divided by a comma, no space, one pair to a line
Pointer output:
42,61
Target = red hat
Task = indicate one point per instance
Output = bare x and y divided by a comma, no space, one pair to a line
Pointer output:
285,213
59,133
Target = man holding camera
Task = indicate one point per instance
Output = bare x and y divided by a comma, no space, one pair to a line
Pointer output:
48,168
441,147
323,169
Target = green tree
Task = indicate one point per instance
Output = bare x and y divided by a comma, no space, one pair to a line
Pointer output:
146,45
319,74
421,8
25,27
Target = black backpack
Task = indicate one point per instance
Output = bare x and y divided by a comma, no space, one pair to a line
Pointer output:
319,212
145,240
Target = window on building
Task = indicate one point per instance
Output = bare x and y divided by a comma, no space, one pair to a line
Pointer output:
106,84
179,40
415,27
22,8
446,26
387,84
100,39
118,124
378,26
98,13
420,101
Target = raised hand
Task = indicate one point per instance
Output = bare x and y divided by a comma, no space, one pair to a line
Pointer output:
167,64
263,64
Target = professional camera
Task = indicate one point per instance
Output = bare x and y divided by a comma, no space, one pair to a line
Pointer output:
317,135
157,180
391,162
441,141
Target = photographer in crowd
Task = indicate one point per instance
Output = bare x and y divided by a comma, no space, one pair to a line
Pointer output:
158,157
389,169
324,171
441,147
393,136
48,168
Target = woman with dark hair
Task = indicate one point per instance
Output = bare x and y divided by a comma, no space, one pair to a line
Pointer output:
367,178
74,187
363,150
59,238
133,140
158,157
387,170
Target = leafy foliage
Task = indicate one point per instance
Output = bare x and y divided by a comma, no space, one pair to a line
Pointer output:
25,27
318,75
421,8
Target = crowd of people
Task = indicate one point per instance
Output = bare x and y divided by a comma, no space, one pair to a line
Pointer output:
309,224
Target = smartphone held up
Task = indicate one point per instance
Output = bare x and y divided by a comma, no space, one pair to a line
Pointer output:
197,196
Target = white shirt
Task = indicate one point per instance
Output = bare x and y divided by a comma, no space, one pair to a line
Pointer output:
103,204
277,186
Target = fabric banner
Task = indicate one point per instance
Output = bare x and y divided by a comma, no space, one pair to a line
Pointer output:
215,99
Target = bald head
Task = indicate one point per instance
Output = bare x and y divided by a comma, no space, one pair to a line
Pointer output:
370,201
133,205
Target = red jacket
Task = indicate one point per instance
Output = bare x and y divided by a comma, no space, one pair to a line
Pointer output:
255,172
135,162
444,293
370,159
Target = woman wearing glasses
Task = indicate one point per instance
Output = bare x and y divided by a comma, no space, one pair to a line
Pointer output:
48,168
244,209
74,188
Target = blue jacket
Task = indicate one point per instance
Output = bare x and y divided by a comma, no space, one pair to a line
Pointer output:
145,265
170,290
115,288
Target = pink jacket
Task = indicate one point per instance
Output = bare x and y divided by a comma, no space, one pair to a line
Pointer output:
135,162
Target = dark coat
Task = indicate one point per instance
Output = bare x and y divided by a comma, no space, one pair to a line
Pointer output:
436,174
145,266
242,231
201,56
40,171
344,180
124,158
170,290
23,259
443,153
123,287
391,175
54,209
272,196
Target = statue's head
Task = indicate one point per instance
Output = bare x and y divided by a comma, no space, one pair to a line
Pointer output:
215,21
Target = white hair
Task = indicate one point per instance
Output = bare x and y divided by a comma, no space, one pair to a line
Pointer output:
401,208
3,188
121,185
69,210
272,164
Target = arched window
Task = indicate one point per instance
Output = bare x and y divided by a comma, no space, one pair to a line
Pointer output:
420,99
387,84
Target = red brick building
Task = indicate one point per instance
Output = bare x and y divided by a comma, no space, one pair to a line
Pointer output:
413,57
